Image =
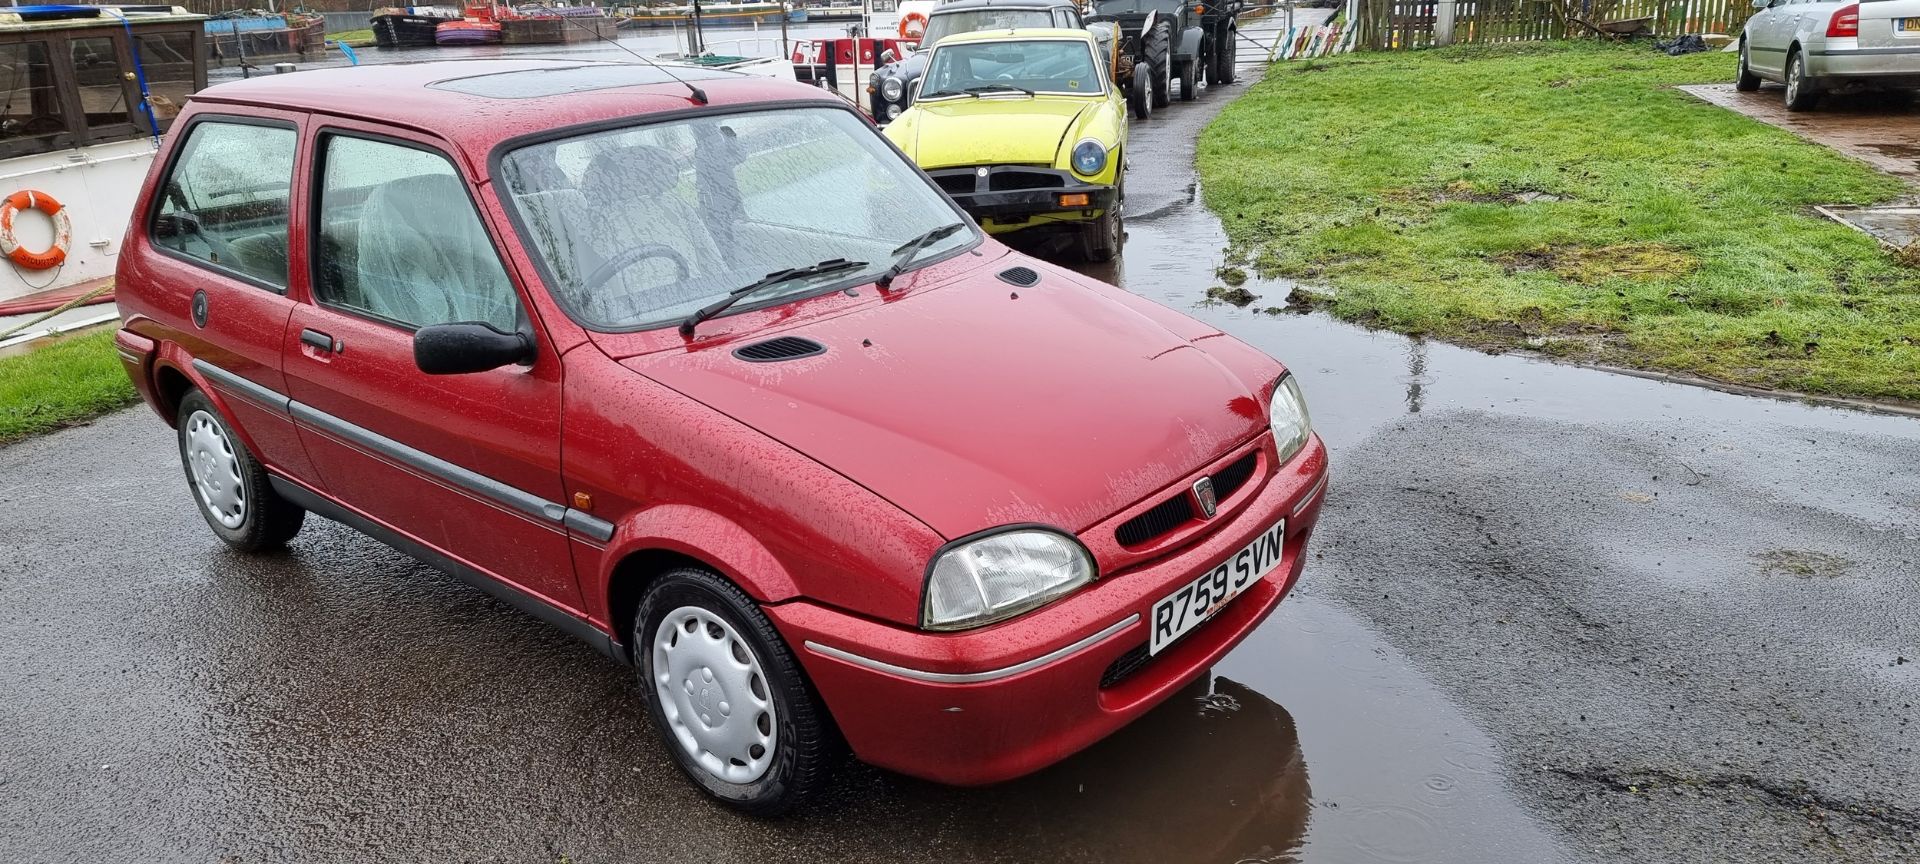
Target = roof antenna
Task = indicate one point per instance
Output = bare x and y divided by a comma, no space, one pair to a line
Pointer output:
698,96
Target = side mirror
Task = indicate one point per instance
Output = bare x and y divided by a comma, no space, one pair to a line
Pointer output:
887,57
457,349
1763,4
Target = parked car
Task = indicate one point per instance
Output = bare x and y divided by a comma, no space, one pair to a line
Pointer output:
706,374
1025,129
890,90
1831,47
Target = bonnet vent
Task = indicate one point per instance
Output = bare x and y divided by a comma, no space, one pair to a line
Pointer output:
782,348
1020,276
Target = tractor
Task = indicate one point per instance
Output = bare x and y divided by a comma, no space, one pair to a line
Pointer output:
1156,41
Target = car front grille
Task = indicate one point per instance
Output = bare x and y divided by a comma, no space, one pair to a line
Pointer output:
1162,518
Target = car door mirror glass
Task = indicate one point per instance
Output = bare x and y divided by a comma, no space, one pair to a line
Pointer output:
457,349
1763,4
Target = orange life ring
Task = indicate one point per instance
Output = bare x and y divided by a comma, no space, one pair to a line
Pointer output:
27,199
910,18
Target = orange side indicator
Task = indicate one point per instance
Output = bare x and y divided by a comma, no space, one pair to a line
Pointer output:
582,501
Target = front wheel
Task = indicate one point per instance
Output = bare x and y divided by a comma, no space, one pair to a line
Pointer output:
1159,51
1223,55
228,483
1801,95
1745,81
1100,241
729,699
1189,73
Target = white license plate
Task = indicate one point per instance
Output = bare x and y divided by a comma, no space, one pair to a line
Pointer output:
1196,601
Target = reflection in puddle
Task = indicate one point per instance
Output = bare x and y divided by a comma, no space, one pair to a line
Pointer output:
1214,775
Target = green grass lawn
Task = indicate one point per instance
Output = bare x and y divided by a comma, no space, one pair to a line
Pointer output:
354,38
71,380
1561,197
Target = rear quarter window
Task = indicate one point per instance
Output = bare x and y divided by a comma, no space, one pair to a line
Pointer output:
225,199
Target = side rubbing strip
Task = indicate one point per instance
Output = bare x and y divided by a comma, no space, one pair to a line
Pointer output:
243,388
486,487
479,484
592,526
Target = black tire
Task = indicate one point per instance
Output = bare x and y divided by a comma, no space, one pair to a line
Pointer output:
1138,98
218,464
1745,81
1159,44
1801,95
1100,241
1224,50
1189,79
806,745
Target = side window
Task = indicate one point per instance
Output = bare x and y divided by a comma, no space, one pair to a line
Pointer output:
103,89
1065,18
167,59
226,200
400,240
32,120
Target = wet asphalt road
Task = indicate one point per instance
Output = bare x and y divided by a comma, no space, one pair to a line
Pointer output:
1553,614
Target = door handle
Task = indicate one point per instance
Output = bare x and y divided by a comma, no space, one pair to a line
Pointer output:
319,341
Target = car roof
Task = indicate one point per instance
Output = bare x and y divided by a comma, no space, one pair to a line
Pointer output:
964,5
1016,35
476,104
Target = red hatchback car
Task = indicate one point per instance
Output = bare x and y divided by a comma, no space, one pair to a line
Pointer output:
710,375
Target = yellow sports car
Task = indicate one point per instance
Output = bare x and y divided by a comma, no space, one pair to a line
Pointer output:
1024,129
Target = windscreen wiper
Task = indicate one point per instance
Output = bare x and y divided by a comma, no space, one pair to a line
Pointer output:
908,250
940,93
777,277
996,88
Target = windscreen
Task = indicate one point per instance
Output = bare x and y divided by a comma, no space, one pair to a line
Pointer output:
640,226
1043,66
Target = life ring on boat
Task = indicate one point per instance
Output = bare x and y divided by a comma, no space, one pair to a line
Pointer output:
907,31
27,199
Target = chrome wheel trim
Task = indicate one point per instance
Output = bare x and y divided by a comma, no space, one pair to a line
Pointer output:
214,467
1793,79
714,694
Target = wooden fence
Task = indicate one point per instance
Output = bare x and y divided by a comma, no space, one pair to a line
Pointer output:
1396,24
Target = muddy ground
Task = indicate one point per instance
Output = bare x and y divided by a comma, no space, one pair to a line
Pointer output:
1553,614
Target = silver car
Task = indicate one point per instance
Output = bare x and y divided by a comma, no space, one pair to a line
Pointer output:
1831,46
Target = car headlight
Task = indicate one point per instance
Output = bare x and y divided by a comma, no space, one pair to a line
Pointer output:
891,89
1001,575
893,111
1089,157
1288,416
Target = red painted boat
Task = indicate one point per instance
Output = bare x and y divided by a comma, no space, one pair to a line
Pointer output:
467,32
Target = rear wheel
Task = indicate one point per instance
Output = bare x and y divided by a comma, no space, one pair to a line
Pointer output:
1745,81
1223,56
1801,95
727,695
1138,99
1189,75
1159,44
231,488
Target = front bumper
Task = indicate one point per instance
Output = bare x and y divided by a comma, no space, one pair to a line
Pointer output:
1009,699
1015,195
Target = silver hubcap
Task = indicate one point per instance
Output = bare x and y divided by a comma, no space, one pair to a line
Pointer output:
1793,80
714,694
215,470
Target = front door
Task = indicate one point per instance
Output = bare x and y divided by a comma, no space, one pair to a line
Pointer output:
466,464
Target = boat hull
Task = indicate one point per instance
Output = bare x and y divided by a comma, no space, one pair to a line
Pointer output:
405,31
467,33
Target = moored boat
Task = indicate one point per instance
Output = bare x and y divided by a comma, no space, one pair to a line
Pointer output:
467,32
92,93
402,27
